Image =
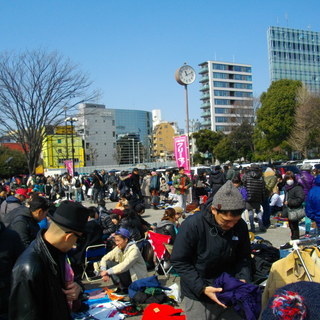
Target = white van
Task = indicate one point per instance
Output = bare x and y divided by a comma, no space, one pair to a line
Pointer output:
311,161
195,170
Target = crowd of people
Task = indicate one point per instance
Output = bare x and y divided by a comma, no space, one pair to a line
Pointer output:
45,230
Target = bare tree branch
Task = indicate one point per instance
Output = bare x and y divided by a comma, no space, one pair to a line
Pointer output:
34,88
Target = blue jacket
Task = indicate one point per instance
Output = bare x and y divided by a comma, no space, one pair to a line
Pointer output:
313,202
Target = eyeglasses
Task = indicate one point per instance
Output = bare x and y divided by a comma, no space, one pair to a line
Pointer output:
80,237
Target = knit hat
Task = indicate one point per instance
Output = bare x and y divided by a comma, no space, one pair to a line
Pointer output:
296,301
228,198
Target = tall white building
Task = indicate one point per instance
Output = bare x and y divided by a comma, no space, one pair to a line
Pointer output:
226,94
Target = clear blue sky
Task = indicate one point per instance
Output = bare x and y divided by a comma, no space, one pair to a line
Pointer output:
131,48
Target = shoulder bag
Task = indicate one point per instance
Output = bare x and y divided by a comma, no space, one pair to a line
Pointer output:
296,214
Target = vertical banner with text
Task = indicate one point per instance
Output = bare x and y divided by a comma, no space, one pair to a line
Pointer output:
68,164
181,152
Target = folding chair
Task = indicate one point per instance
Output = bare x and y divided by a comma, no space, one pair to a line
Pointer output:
159,242
93,254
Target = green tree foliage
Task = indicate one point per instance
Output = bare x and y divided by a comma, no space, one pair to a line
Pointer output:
275,117
206,140
198,158
12,162
238,144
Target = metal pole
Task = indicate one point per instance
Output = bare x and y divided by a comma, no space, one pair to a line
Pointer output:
187,120
133,155
139,151
72,151
187,110
66,133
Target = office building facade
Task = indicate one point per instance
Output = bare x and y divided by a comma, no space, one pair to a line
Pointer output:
294,54
226,95
114,136
96,126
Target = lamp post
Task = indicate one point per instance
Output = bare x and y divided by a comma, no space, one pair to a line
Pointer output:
72,120
133,155
139,142
66,132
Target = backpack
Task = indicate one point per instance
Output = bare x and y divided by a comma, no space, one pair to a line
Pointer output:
77,184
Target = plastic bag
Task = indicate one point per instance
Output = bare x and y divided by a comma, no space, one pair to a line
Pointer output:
174,293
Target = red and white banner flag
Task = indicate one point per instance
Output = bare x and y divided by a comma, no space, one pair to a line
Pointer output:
68,164
181,152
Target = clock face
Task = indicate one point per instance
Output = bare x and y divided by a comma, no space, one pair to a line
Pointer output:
186,75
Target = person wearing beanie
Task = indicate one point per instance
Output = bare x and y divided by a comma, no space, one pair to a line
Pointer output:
211,242
295,301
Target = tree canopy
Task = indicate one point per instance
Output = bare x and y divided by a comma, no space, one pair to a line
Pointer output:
12,162
206,140
275,117
35,86
238,144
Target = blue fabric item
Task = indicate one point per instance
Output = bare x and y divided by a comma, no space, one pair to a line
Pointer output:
141,284
244,297
313,202
43,224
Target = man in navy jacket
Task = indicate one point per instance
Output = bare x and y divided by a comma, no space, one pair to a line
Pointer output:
214,241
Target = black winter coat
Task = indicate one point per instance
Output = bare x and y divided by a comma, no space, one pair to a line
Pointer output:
294,195
25,225
255,186
203,251
217,180
108,227
167,228
37,282
10,249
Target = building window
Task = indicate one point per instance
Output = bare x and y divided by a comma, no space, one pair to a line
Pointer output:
59,140
113,123
221,110
222,119
113,133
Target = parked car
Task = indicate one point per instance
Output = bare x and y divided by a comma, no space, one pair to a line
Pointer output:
284,168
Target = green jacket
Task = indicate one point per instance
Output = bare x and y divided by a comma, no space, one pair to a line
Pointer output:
176,183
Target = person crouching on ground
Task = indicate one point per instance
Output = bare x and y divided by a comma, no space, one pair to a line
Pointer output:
124,264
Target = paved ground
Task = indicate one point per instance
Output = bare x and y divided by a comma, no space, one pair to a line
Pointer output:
276,236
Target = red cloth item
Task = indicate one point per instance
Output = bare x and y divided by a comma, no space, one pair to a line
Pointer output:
23,192
162,312
157,241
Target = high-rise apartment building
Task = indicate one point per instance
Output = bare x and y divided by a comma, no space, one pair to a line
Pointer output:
226,94
295,55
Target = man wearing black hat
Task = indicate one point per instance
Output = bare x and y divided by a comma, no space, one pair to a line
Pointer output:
214,241
42,285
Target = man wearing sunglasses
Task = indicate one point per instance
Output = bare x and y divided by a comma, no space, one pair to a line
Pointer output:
42,283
